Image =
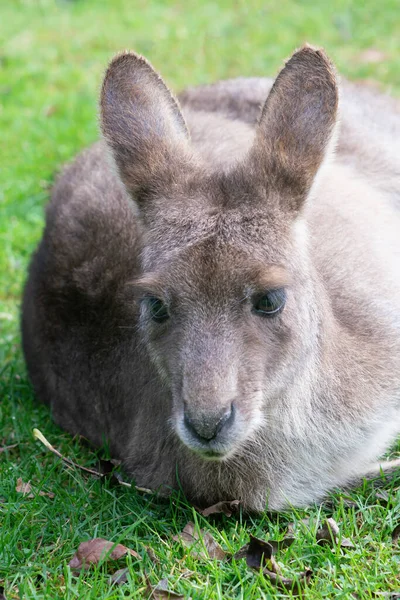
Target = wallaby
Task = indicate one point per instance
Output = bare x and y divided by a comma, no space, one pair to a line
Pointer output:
222,306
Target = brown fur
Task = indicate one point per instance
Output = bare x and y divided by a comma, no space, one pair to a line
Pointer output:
219,399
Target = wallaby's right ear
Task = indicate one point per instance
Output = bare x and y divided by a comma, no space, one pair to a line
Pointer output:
141,122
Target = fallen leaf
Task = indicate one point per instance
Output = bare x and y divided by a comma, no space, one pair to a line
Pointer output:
372,56
329,534
293,527
227,507
23,488
276,545
26,490
396,534
383,496
152,555
346,543
93,551
279,545
161,591
260,555
295,586
242,553
120,577
207,547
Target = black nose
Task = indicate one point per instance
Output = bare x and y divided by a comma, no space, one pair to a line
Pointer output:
205,426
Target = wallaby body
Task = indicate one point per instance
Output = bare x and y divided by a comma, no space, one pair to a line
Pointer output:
225,312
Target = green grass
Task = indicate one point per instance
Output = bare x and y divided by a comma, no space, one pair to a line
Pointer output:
52,58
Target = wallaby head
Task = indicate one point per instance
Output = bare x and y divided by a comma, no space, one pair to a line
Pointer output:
226,293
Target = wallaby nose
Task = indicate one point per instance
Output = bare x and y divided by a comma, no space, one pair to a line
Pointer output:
206,426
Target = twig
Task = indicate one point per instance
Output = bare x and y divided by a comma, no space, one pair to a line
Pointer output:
39,436
4,448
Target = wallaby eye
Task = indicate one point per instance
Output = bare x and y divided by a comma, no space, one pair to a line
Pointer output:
158,309
271,303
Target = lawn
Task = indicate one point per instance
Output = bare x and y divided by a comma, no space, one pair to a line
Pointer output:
52,57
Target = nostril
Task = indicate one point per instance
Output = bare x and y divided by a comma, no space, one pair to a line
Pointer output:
206,427
226,419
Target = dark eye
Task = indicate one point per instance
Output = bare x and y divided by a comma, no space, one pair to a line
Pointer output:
158,310
271,303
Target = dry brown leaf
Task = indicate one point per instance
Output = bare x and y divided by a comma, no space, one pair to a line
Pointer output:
120,577
329,534
152,555
227,507
372,56
93,551
203,541
26,490
295,586
242,553
383,496
23,488
275,545
160,591
260,554
279,545
47,494
293,528
396,534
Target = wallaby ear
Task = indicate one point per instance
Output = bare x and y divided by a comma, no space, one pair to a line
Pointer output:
296,125
141,122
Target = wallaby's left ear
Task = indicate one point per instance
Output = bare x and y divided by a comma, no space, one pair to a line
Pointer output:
296,125
142,123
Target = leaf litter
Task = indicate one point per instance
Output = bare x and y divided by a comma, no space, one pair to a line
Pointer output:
201,543
329,534
96,550
161,591
120,577
259,554
396,535
26,490
227,507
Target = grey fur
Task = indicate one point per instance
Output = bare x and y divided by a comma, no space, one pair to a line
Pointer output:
256,200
